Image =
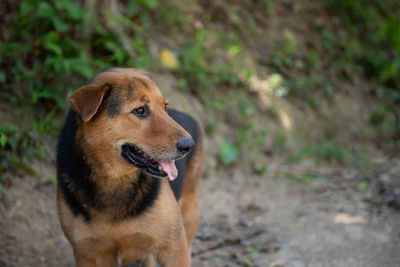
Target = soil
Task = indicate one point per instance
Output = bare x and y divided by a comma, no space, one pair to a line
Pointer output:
246,219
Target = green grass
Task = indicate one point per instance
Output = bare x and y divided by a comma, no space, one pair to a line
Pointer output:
50,48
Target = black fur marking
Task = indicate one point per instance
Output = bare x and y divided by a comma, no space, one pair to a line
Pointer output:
73,173
192,127
114,103
129,92
150,187
143,82
131,200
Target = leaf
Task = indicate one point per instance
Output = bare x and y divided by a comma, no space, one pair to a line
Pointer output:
253,250
244,261
53,178
60,25
362,186
150,4
290,45
132,8
53,48
392,32
10,47
75,12
390,71
168,59
45,10
228,152
23,166
235,49
2,77
117,50
258,170
84,70
3,140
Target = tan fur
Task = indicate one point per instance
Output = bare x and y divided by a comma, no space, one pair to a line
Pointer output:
164,231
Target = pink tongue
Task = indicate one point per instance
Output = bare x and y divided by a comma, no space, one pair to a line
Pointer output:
169,168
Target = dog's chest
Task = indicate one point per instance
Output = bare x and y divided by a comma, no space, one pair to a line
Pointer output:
135,238
128,242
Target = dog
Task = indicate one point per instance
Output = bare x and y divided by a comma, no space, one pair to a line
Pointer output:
128,174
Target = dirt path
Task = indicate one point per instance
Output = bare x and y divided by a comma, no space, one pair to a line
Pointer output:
281,223
246,221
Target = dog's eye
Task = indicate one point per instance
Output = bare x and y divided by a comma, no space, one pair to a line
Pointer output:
142,111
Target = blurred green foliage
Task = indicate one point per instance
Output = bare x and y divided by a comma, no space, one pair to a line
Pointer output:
48,43
228,152
196,71
325,150
51,47
351,44
371,40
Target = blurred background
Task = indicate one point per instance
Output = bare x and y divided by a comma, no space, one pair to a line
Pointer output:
299,102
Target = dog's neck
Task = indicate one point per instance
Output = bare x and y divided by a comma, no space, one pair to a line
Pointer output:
131,197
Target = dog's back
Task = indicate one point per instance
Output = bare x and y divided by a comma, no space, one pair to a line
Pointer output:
192,127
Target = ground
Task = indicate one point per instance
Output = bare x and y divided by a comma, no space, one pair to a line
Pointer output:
306,84
246,219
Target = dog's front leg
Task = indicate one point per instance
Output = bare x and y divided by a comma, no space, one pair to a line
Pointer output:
103,259
149,261
176,255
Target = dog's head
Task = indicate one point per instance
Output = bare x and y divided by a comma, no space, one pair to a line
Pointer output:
124,125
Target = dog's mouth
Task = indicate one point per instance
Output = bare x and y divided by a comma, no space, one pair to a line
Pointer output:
142,160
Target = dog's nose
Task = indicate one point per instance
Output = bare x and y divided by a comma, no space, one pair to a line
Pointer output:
185,144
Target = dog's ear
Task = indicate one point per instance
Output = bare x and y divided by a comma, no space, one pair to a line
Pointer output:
87,99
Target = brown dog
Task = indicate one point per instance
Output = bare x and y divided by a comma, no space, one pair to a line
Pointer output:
117,146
